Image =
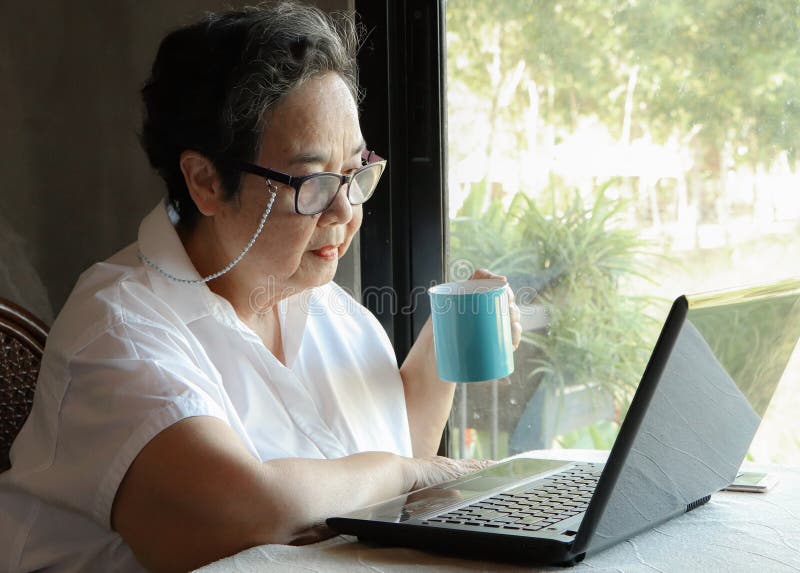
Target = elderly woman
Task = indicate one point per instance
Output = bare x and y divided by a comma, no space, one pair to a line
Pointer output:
201,393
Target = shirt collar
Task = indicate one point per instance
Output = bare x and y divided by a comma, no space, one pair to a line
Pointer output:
159,242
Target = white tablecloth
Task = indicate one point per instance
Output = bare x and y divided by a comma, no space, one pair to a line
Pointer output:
734,532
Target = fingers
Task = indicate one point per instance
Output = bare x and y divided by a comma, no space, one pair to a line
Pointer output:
516,319
437,469
486,274
471,465
516,332
515,315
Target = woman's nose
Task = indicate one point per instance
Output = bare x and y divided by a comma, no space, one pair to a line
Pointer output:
340,211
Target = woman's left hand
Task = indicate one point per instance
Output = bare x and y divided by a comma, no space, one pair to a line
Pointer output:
516,324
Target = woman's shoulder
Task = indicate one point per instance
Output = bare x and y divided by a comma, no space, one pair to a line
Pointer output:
106,295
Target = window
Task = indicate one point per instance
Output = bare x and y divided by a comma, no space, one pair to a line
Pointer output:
608,157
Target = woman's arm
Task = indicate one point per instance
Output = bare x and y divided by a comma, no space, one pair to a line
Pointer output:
195,494
428,398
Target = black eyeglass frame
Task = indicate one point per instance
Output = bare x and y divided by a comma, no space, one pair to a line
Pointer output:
368,159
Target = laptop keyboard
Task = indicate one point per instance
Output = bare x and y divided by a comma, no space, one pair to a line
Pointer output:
539,505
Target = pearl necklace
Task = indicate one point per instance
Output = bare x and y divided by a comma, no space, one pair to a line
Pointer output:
233,263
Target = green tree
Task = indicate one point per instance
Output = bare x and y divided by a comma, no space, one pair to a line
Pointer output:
570,261
720,75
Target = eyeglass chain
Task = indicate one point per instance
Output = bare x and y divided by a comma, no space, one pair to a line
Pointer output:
142,257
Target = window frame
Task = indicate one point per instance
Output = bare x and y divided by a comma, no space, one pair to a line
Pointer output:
403,116
403,233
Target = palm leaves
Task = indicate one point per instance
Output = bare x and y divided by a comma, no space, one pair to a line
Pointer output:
576,256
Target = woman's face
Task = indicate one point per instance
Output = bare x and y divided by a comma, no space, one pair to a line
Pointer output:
314,128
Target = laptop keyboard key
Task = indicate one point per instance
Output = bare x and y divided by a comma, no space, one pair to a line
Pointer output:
540,505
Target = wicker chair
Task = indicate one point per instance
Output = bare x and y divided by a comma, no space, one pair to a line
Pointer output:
22,338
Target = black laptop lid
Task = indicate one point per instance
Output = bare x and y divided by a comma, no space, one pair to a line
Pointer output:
708,383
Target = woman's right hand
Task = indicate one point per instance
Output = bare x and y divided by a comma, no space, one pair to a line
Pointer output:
424,472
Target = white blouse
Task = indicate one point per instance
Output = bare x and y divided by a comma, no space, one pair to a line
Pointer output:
133,352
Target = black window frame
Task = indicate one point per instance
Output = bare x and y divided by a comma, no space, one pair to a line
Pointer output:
403,115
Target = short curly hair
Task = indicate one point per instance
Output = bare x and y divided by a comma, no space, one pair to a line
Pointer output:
213,83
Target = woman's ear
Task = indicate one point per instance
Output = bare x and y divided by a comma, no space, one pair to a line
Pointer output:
203,182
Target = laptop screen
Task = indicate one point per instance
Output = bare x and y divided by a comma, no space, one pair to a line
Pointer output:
712,374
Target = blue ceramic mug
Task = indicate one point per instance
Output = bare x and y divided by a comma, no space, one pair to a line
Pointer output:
472,330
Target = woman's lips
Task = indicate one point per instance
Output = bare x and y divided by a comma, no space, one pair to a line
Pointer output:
327,252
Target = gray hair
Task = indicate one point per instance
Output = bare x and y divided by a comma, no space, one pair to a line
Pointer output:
293,44
214,83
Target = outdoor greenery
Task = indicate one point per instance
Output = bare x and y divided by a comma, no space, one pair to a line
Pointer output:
709,89
570,259
720,75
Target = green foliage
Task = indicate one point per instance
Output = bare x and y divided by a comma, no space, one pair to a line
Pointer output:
576,258
717,79
597,436
724,71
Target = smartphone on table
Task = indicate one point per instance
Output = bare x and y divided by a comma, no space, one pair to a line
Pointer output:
756,482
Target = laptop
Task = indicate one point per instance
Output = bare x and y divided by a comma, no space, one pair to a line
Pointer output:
707,384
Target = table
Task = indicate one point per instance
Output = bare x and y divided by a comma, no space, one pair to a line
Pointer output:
734,532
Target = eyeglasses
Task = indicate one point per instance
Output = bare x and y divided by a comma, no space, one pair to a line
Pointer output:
315,193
